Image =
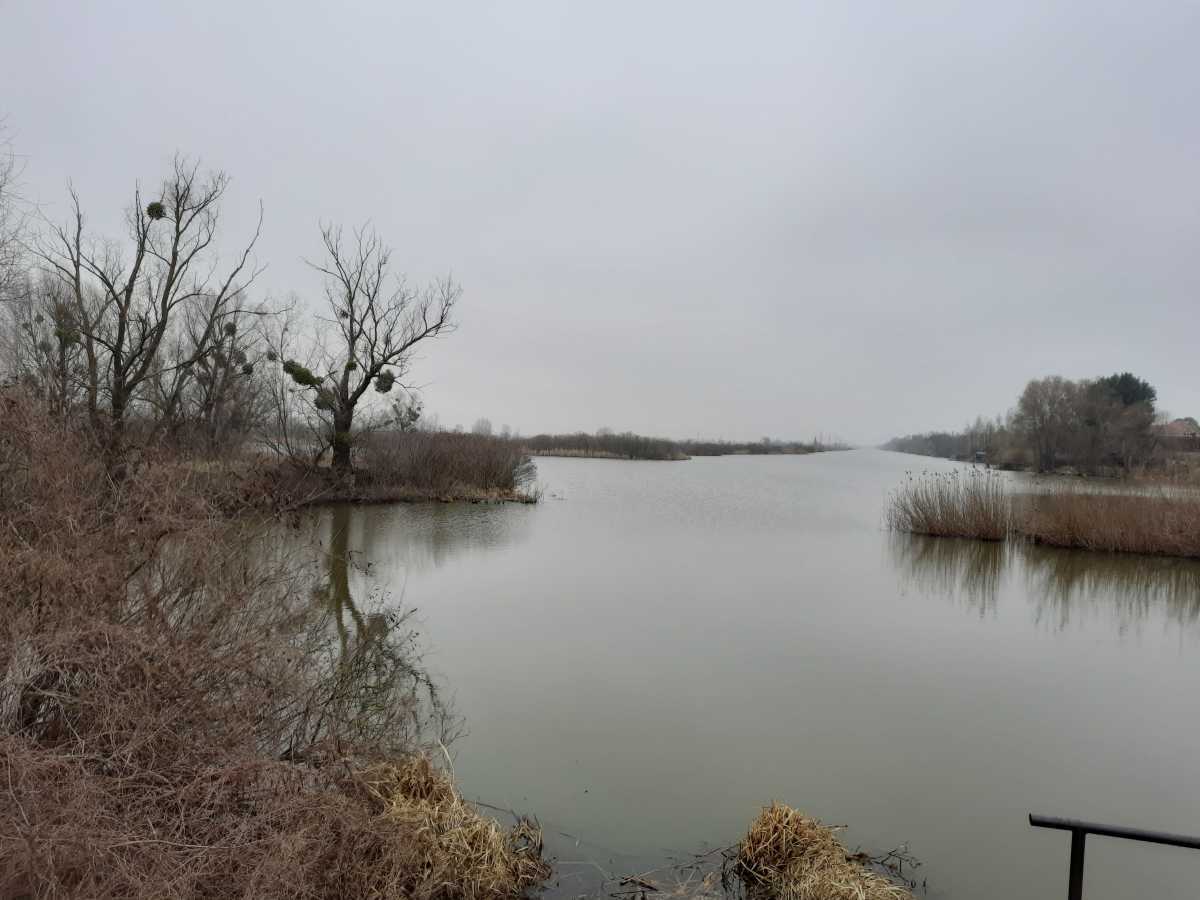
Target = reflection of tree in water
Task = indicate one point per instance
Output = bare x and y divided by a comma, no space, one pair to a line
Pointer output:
952,567
1058,582
417,537
375,676
1131,586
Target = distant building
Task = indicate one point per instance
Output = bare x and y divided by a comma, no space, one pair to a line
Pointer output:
1179,428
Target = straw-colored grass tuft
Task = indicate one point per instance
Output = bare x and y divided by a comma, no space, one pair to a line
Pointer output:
456,845
792,857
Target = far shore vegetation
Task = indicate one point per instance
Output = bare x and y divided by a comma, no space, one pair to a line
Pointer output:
605,444
1109,426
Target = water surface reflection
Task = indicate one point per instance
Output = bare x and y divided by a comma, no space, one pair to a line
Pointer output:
972,571
376,674
416,537
1061,586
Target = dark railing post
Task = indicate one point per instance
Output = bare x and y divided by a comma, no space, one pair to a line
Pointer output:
1075,885
1080,830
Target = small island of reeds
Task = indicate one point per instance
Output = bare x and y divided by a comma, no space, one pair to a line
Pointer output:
984,505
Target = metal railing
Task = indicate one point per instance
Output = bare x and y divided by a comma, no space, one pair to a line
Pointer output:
1080,830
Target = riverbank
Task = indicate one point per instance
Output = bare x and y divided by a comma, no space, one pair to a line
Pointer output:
388,467
289,486
185,710
982,505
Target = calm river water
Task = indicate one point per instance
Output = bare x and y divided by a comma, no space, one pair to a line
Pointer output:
656,650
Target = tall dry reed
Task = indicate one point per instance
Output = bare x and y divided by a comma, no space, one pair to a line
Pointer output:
979,505
970,504
1155,522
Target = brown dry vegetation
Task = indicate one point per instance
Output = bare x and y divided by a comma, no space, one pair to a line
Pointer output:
424,464
792,857
1160,523
979,505
956,504
175,720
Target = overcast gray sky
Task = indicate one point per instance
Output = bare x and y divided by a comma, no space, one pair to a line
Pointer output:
683,219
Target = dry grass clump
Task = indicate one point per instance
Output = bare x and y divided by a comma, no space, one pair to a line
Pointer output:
973,504
454,843
792,857
1158,523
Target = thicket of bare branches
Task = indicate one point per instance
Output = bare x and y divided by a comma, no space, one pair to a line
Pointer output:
147,325
153,340
182,718
12,222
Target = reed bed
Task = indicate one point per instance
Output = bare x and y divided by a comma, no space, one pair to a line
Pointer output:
980,505
788,856
954,504
1158,523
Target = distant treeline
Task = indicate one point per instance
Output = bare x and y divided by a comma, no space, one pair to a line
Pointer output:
1092,426
606,444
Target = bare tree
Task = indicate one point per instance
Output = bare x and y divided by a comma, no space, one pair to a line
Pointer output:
12,223
170,263
1047,414
379,321
42,343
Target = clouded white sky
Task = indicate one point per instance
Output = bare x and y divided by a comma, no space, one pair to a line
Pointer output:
679,218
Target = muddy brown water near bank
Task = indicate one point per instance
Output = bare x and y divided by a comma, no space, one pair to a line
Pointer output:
653,653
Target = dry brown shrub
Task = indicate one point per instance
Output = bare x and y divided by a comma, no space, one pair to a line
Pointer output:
790,856
175,719
444,463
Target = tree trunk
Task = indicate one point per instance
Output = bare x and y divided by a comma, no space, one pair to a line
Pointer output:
114,446
342,423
